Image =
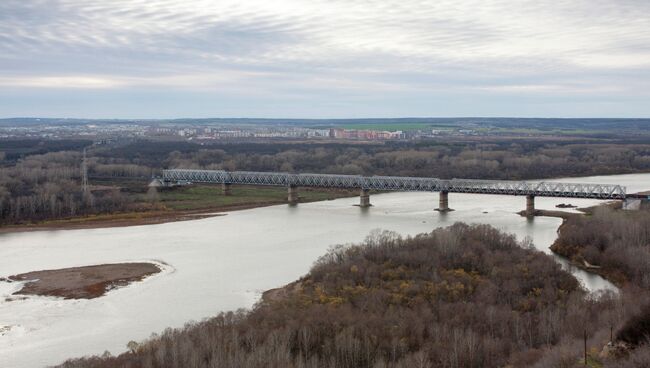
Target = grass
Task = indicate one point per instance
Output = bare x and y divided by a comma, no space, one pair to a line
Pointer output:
197,198
592,361
536,131
95,218
389,126
482,129
210,196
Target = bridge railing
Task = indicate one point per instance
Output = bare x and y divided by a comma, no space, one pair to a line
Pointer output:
396,183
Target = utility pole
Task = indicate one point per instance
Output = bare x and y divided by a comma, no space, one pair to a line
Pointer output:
585,347
84,175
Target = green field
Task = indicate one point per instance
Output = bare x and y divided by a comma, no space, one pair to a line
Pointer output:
391,127
538,131
197,197
481,129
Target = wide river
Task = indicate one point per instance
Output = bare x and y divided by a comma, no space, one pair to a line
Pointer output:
224,263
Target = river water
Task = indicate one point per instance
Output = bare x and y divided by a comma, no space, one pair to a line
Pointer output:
224,263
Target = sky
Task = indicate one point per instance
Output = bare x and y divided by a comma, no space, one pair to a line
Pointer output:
324,59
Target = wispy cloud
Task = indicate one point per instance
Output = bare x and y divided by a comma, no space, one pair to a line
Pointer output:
327,51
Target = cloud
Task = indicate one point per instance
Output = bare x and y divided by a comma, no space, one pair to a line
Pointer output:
60,82
328,49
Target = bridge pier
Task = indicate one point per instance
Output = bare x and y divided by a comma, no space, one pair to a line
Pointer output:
443,203
226,189
292,195
530,205
364,198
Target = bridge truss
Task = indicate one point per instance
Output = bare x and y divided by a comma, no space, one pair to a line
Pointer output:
398,183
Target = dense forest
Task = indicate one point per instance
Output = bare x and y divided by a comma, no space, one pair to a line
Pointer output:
480,161
463,296
41,180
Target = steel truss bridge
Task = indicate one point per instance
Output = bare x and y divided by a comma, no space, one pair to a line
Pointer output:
398,183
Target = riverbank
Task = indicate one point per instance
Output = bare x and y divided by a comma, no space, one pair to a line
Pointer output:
183,204
573,252
283,292
113,220
614,276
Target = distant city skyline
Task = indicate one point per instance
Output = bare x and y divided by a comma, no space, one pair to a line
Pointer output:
137,59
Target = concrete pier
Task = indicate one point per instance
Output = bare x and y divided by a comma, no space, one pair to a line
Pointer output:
530,205
443,205
226,188
292,196
633,204
364,198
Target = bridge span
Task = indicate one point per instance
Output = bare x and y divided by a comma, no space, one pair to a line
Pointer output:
529,189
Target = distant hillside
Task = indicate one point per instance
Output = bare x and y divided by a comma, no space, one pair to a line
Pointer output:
537,123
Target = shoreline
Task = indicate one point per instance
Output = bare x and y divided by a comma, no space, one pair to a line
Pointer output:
580,263
277,293
127,219
82,282
123,219
160,217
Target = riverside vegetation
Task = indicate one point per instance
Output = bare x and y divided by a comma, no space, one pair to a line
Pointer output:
616,241
41,180
462,296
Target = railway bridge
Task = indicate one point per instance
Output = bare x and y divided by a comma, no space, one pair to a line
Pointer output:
529,189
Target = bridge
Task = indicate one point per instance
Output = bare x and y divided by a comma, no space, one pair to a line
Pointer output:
396,183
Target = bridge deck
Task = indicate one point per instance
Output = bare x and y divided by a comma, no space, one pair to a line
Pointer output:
397,183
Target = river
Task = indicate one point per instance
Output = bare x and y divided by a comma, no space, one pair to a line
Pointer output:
224,263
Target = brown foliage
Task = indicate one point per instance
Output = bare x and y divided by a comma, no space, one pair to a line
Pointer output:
618,241
465,296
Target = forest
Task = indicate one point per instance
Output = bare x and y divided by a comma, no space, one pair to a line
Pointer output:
41,180
462,296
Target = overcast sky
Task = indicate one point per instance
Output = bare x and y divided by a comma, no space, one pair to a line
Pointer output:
324,59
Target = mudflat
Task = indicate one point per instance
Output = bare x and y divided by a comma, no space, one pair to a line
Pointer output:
85,282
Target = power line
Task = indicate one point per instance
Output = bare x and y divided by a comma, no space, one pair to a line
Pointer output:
84,174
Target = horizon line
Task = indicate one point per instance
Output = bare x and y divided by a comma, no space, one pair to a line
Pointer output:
321,118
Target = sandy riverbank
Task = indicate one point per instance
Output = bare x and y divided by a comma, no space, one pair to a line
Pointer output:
128,219
85,282
152,217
